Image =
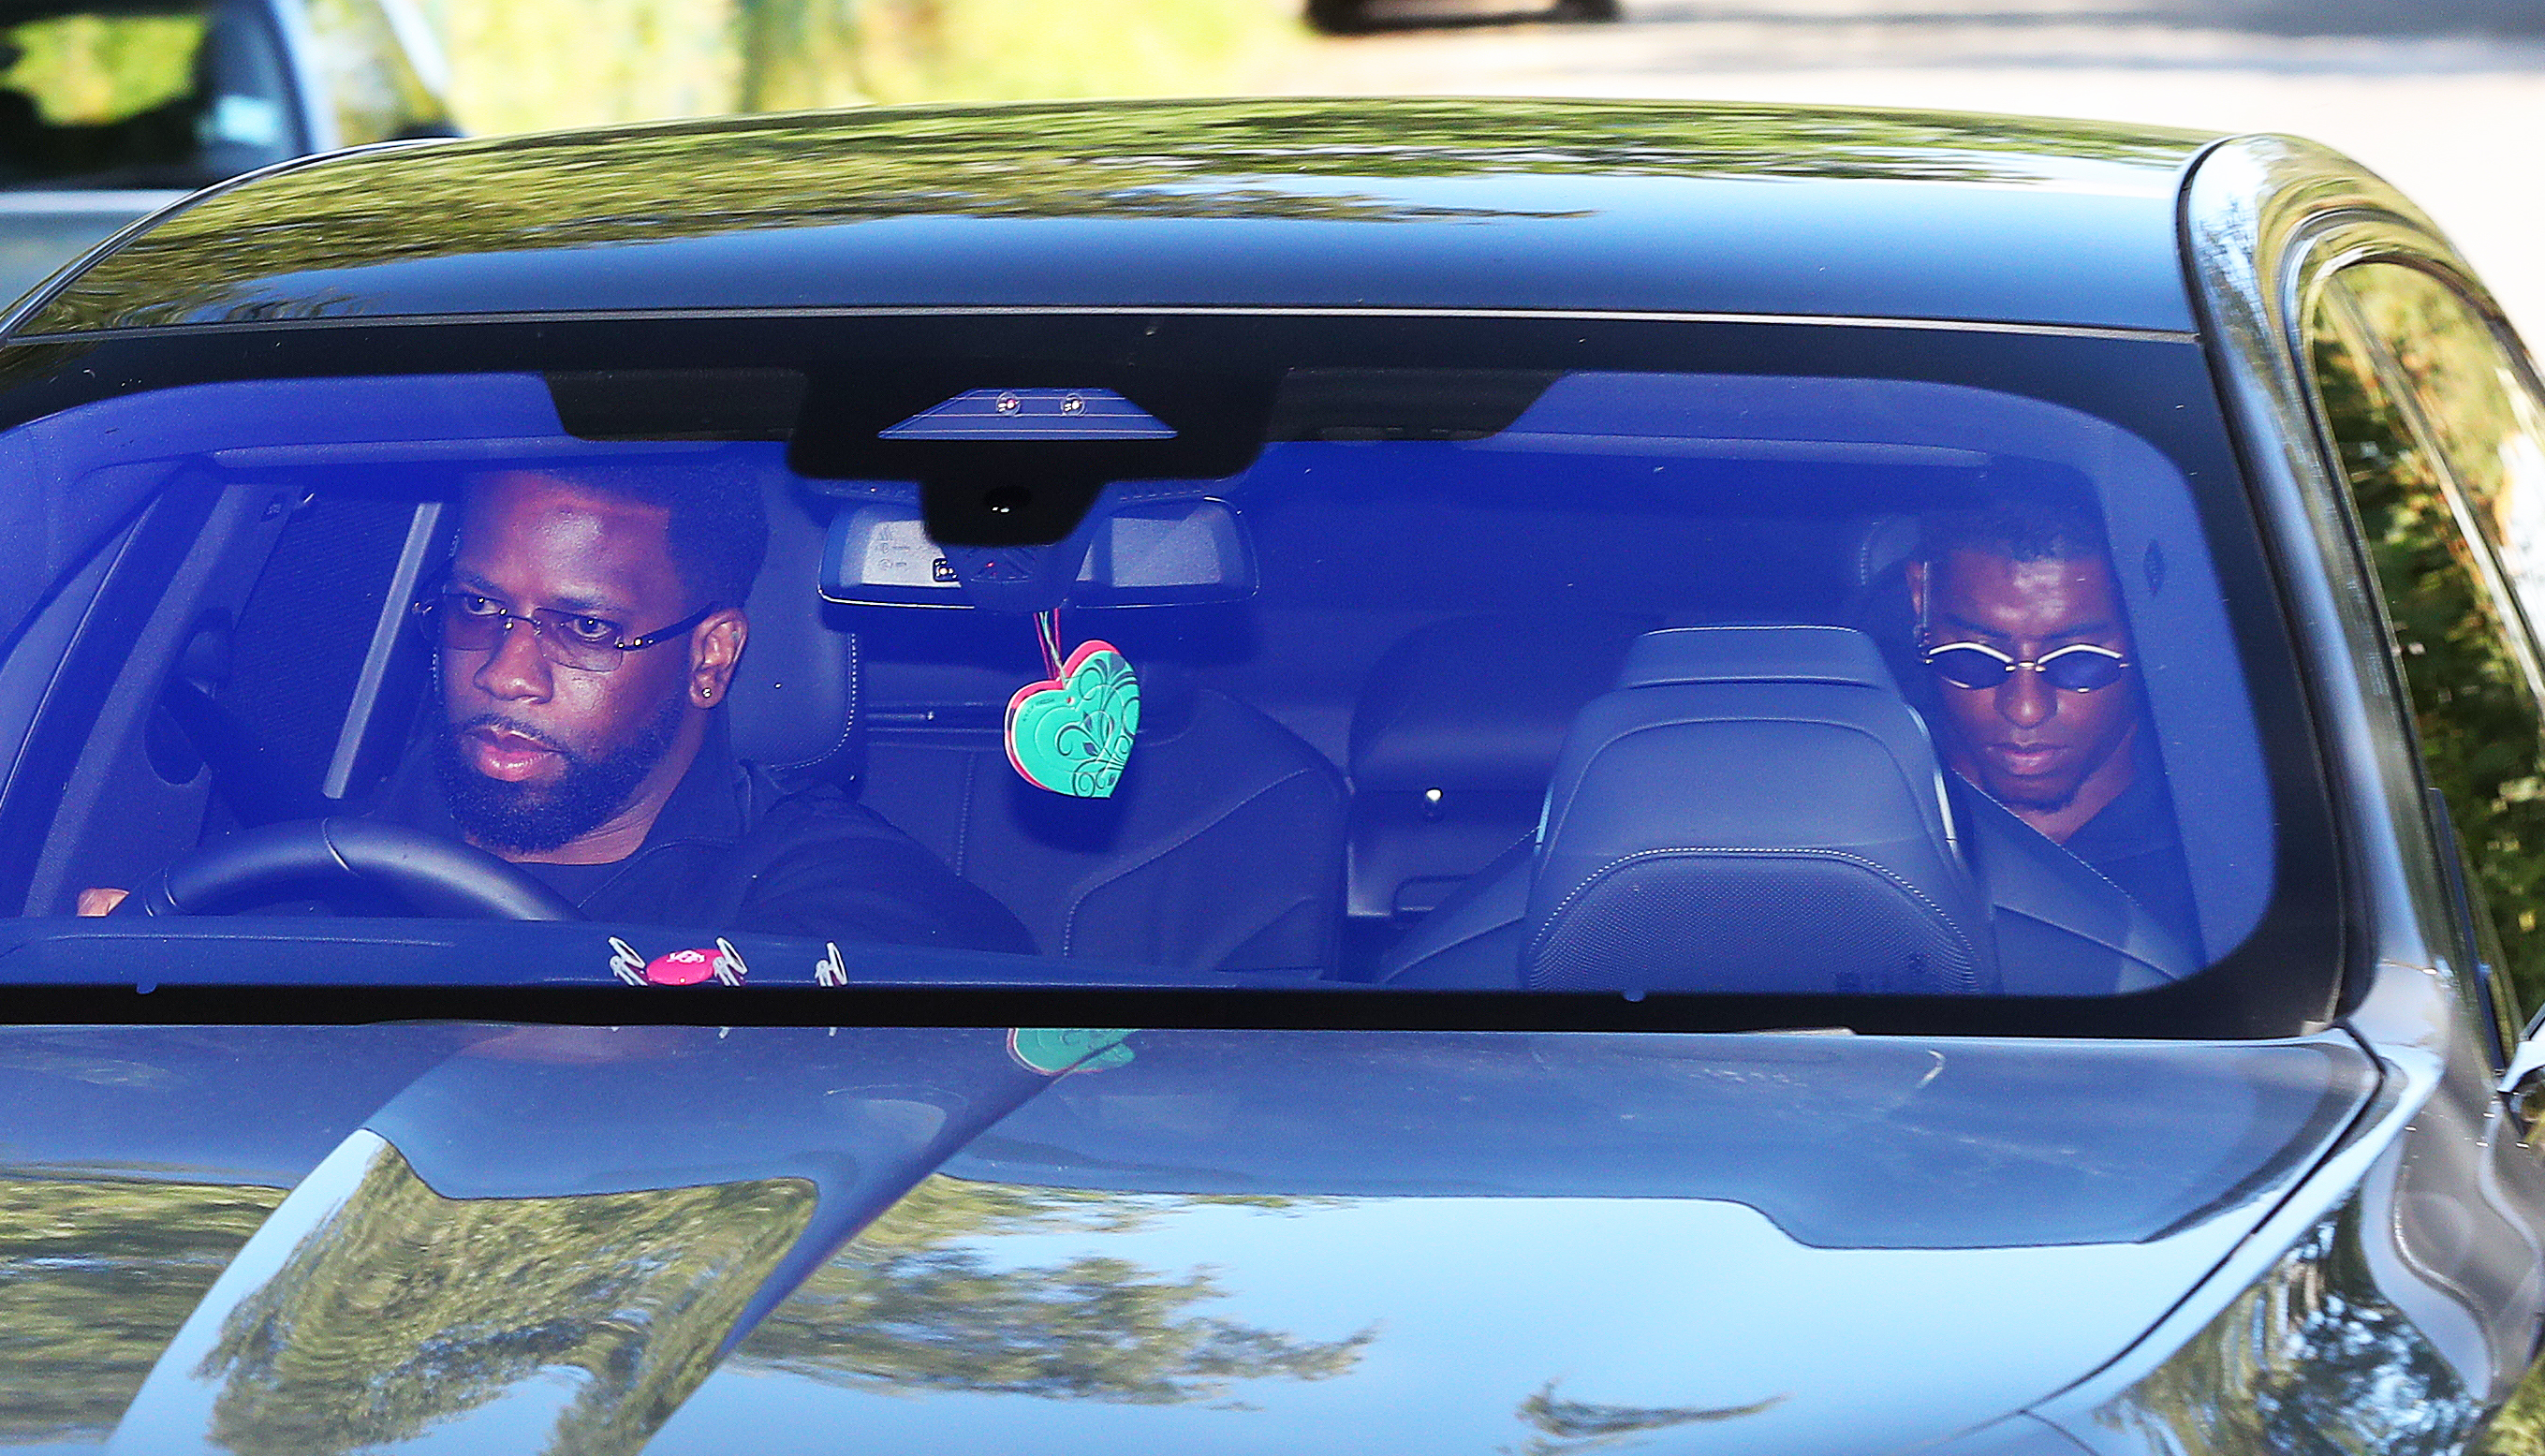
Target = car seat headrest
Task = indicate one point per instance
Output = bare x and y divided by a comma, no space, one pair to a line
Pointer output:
1755,810
793,698
1754,654
1883,543
1480,704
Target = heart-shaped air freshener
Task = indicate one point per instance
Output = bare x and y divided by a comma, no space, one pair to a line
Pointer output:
1072,732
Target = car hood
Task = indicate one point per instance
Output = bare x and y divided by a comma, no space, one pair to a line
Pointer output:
599,1240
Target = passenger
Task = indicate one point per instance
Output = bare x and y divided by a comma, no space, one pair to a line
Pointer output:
2037,700
587,635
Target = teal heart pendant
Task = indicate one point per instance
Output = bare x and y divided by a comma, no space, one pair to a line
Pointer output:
1072,733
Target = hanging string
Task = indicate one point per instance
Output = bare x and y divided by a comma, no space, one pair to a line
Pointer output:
1047,632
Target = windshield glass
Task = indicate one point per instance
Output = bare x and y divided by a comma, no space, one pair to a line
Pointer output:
156,96
1392,676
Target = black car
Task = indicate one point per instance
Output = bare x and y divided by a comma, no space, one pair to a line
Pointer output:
1348,17
1274,775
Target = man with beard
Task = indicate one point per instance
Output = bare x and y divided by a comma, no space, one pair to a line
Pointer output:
2036,690
589,628
586,634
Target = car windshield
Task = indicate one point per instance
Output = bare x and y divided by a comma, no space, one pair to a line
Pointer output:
1934,669
149,96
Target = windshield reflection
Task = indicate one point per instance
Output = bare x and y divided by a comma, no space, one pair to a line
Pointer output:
95,1278
407,1310
910,1305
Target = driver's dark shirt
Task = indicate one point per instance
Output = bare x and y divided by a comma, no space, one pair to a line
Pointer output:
731,851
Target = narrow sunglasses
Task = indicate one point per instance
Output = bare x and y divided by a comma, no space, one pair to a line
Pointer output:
2080,667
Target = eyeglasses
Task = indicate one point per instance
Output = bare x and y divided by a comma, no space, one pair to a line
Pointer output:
468,622
2080,667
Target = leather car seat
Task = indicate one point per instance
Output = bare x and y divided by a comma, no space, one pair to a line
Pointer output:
2048,923
1452,743
792,706
1752,809
1221,847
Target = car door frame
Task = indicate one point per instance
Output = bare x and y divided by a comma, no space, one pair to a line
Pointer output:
2266,224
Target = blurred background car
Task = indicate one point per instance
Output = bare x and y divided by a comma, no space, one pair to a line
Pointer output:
1344,16
108,111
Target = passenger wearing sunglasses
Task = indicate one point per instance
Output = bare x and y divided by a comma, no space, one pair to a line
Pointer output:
2034,689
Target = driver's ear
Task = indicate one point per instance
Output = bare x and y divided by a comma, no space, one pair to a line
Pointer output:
715,650
1918,588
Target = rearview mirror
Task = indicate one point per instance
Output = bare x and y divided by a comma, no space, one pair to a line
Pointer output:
1140,553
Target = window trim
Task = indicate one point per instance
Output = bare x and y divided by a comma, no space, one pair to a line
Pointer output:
2329,289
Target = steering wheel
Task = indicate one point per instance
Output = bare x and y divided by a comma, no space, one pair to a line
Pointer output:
437,877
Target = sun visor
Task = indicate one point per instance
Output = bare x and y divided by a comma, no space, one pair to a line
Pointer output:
1148,550
678,404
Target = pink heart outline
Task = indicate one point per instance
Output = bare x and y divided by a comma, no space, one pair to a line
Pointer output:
1057,684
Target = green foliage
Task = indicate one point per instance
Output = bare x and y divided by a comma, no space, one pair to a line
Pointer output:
2519,1429
88,69
2482,741
911,1304
650,59
95,1278
409,1309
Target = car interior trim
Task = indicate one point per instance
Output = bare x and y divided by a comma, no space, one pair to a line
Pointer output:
933,310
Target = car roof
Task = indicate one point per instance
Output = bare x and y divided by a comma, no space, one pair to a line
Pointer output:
1533,205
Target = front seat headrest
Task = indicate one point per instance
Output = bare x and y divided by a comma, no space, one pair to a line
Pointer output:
1755,809
793,697
1421,724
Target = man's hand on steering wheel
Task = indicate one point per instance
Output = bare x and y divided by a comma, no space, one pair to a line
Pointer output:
430,875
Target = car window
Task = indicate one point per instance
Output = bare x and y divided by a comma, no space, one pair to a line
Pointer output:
158,96
2458,637
1409,677
2478,403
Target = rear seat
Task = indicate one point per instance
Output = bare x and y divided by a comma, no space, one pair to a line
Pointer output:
1452,743
1220,849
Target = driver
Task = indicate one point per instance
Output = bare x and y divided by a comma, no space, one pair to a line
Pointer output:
586,638
2021,627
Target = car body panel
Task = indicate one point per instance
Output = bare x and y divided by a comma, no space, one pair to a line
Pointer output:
2462,1203
1359,204
1484,1318
1499,1225
2428,1225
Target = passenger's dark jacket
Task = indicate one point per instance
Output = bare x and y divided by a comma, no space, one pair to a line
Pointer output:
732,850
